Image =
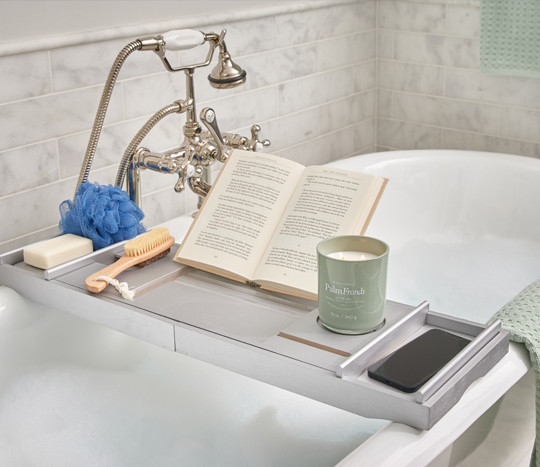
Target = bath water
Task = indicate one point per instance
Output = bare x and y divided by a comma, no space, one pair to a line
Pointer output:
76,393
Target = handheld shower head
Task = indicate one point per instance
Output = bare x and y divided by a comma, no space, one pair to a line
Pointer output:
226,74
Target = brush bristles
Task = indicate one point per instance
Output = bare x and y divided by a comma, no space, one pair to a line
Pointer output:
147,242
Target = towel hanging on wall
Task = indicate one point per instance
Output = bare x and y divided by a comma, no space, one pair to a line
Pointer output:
510,37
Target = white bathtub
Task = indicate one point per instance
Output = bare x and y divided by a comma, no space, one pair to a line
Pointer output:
463,233
463,227
75,393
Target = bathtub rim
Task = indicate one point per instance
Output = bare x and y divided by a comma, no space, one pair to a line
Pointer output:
410,155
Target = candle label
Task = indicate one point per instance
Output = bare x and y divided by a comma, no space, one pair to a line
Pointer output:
342,316
344,300
344,290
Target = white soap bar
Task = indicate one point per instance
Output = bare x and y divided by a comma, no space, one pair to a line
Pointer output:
57,250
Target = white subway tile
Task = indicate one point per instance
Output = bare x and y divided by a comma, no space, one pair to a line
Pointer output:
407,16
411,77
146,95
385,44
363,15
297,28
71,151
437,50
89,64
51,116
463,20
28,238
273,67
247,37
365,76
33,209
502,90
288,130
345,112
28,167
479,142
521,124
322,23
346,50
244,109
315,90
364,137
446,113
384,103
349,141
24,76
404,135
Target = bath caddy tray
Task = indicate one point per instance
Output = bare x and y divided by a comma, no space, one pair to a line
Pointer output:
423,408
270,337
488,345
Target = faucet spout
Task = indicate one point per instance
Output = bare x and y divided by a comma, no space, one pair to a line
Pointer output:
192,159
176,107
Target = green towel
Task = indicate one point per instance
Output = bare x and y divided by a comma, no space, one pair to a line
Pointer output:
521,318
510,37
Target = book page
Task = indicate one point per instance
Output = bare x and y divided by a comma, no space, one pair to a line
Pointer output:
241,212
328,202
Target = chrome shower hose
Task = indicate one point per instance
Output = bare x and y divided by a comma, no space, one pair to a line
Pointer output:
175,107
102,109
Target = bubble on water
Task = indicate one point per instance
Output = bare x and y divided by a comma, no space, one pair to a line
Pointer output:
76,393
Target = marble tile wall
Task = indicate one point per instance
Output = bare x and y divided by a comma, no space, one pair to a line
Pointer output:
332,80
431,93
302,78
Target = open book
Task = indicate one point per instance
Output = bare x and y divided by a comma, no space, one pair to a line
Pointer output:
265,215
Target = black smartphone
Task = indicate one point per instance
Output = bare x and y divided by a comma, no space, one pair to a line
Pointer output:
413,364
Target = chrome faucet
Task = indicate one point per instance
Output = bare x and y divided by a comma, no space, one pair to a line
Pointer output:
200,148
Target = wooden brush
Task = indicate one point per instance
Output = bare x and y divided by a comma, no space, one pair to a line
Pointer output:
144,249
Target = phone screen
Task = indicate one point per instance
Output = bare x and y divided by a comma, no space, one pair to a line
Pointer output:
413,364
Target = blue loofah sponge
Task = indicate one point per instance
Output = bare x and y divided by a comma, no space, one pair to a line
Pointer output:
102,213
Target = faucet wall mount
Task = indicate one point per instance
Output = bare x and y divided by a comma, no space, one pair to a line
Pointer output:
200,148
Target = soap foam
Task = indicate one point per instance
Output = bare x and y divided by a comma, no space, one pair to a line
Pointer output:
75,393
469,278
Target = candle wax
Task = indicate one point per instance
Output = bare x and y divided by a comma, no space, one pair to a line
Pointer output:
352,255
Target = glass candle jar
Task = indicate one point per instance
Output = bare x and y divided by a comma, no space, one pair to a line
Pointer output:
352,283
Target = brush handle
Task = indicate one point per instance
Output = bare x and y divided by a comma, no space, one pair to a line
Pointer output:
122,264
